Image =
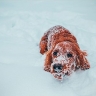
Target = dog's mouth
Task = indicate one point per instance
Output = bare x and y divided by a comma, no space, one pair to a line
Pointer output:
58,75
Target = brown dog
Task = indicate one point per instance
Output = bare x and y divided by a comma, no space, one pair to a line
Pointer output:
63,54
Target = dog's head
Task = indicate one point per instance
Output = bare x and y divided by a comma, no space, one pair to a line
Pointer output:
64,58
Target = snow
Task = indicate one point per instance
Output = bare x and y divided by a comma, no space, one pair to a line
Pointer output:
22,24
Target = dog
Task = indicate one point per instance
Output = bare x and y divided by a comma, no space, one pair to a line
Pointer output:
63,54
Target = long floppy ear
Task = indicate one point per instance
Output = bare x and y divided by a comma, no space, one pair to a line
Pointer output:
48,61
43,44
82,61
84,64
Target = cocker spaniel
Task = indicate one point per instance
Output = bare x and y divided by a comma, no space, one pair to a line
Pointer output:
63,54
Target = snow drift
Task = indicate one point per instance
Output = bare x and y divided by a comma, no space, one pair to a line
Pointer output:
22,24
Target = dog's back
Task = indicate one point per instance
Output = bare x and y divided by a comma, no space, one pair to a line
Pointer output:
53,36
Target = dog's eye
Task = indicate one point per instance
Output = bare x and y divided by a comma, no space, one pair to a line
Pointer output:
69,55
55,53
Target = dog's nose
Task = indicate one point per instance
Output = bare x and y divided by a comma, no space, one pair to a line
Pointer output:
57,67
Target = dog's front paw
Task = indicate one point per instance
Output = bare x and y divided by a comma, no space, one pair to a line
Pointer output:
46,68
85,66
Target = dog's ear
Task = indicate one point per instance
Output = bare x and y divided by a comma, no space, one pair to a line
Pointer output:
81,60
48,60
43,44
84,64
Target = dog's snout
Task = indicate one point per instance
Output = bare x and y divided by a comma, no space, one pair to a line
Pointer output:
57,67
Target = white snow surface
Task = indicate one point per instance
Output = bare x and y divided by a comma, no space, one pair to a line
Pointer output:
22,24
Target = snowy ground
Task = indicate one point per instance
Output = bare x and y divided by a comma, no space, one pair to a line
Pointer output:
22,24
